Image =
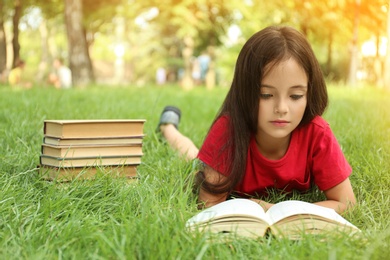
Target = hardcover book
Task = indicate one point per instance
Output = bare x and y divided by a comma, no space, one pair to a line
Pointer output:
93,141
70,173
91,151
89,161
93,128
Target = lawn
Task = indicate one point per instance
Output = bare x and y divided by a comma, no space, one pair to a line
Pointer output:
109,218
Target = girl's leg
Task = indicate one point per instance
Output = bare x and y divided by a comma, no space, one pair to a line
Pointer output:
179,142
168,126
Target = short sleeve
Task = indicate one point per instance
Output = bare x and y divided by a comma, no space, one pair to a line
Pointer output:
212,151
330,166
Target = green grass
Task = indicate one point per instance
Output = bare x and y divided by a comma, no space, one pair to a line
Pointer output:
111,219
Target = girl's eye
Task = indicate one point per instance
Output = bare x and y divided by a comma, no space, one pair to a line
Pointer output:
265,96
296,97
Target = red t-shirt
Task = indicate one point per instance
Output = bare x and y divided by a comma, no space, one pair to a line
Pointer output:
313,155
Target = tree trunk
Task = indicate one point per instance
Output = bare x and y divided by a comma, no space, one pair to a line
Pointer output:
211,73
15,24
378,66
329,59
353,67
79,60
187,82
386,73
119,74
45,55
3,42
88,42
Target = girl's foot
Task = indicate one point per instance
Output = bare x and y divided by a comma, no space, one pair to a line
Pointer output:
170,115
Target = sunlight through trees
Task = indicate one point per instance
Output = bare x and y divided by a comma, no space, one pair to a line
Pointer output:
126,42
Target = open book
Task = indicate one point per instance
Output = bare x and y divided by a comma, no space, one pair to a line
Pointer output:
290,219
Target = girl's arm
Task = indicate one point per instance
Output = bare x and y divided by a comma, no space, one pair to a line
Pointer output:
340,197
206,198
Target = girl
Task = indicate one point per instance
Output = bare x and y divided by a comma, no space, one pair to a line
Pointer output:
269,133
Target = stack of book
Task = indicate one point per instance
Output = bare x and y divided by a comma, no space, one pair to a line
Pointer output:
83,147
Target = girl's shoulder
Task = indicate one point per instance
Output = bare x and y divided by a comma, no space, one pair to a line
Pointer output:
219,126
316,130
318,121
317,126
221,122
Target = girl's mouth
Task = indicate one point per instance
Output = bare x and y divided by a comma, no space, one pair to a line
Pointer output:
280,123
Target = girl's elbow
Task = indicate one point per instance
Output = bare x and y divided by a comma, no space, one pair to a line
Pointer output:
350,203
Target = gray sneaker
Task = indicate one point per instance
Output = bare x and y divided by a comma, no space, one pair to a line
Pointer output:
170,115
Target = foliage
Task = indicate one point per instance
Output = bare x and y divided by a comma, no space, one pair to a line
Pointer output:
112,219
202,20
327,24
50,8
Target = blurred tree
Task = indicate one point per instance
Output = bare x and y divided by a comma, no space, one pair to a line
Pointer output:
136,37
45,59
373,19
194,25
353,68
171,32
3,42
83,19
15,37
368,23
17,8
325,25
52,12
331,29
250,20
386,73
96,14
318,20
11,12
79,59
177,22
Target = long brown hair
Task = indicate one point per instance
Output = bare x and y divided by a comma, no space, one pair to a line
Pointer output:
259,54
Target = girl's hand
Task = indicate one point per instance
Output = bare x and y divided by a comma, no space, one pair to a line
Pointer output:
340,198
207,199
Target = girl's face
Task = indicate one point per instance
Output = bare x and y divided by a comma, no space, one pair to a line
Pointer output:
283,99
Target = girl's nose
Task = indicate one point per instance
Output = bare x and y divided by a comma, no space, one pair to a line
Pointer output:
281,107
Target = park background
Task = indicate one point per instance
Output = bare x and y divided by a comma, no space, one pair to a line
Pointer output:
125,42
114,49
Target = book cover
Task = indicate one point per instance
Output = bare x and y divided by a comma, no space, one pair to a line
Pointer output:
91,151
93,141
70,173
89,161
93,128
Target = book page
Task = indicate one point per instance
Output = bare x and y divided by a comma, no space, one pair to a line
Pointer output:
286,209
229,208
